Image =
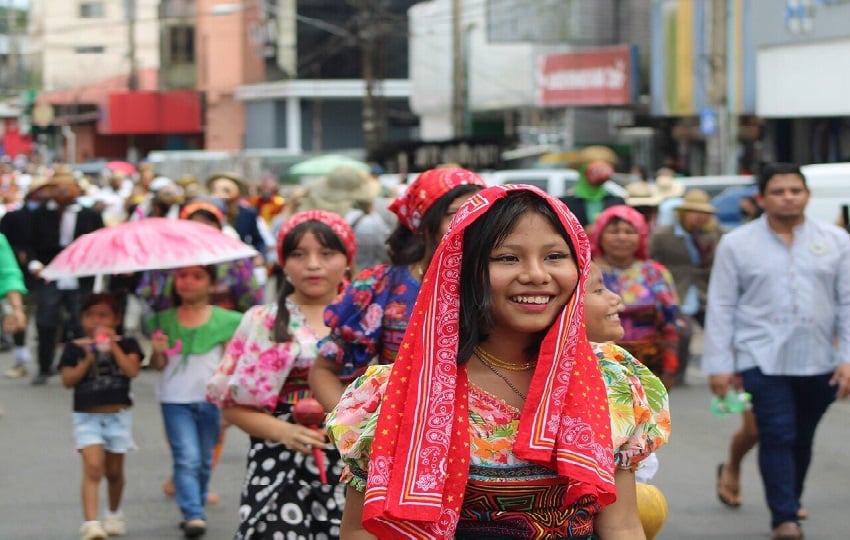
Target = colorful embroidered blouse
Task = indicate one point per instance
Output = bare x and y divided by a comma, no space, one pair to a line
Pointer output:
258,372
649,294
370,319
505,495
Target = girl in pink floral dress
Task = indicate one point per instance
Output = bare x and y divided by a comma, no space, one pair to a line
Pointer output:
264,373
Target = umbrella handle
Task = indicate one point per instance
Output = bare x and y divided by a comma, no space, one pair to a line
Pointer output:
178,343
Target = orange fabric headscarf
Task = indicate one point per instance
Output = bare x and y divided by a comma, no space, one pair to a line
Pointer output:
420,455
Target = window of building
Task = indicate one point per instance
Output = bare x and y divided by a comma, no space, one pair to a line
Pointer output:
91,10
181,44
89,49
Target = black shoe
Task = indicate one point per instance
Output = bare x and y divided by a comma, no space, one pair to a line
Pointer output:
39,380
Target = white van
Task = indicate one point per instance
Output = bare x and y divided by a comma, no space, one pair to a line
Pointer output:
829,184
556,182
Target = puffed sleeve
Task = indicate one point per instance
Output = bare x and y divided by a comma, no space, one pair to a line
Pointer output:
253,369
351,425
355,320
638,403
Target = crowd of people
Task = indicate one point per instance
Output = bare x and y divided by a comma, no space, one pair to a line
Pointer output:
494,362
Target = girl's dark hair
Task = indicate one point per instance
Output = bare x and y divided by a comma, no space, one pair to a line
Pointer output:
206,215
479,240
327,238
97,299
408,247
211,270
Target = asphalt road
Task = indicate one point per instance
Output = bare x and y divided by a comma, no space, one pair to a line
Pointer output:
40,472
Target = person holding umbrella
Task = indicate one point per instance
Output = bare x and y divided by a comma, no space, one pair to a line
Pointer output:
187,347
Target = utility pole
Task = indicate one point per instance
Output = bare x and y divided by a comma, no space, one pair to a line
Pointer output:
11,32
371,27
731,88
132,78
458,75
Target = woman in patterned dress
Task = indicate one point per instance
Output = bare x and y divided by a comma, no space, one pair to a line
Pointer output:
650,319
369,321
264,373
494,422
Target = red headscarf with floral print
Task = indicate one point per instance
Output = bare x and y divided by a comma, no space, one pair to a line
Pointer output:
426,190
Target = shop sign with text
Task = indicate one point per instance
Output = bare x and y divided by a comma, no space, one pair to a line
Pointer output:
603,76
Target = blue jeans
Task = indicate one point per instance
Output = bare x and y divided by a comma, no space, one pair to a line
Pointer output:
788,410
192,430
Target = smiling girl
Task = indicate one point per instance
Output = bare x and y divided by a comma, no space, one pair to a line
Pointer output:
264,374
493,423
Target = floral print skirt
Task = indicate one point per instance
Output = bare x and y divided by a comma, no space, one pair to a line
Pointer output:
283,497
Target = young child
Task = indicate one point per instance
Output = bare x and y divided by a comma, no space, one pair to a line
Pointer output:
187,346
263,375
99,368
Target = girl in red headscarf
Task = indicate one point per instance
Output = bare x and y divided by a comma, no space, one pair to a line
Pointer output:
368,322
264,373
493,423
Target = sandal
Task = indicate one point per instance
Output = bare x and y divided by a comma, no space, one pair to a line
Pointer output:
728,494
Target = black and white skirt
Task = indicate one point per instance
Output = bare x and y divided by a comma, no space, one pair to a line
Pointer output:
283,497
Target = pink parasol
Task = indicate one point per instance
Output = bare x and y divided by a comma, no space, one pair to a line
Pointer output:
122,166
147,244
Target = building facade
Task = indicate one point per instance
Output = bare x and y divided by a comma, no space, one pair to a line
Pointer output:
801,50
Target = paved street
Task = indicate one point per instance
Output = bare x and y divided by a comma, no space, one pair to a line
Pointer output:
40,472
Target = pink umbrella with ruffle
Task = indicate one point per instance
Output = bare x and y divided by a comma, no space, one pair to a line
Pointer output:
147,244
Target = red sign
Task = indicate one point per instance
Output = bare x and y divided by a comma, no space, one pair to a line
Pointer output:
605,76
140,112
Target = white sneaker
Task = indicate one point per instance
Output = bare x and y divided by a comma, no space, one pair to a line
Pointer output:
115,525
91,530
16,372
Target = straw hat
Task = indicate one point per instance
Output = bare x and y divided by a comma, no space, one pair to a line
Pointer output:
667,187
233,177
339,190
697,200
641,194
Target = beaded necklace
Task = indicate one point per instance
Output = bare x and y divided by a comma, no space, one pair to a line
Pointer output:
510,366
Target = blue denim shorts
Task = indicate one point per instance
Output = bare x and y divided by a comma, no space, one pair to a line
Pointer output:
112,430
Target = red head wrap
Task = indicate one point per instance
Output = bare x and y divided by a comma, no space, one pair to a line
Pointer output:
426,190
334,221
630,216
420,455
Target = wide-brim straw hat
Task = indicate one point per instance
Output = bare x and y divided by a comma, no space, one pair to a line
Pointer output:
667,187
233,177
697,200
642,194
339,190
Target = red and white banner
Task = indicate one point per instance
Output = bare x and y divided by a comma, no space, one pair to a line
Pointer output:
604,76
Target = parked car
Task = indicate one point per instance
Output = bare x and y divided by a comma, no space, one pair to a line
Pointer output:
556,182
727,204
829,184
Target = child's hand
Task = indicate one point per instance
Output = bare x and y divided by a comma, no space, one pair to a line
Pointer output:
159,342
